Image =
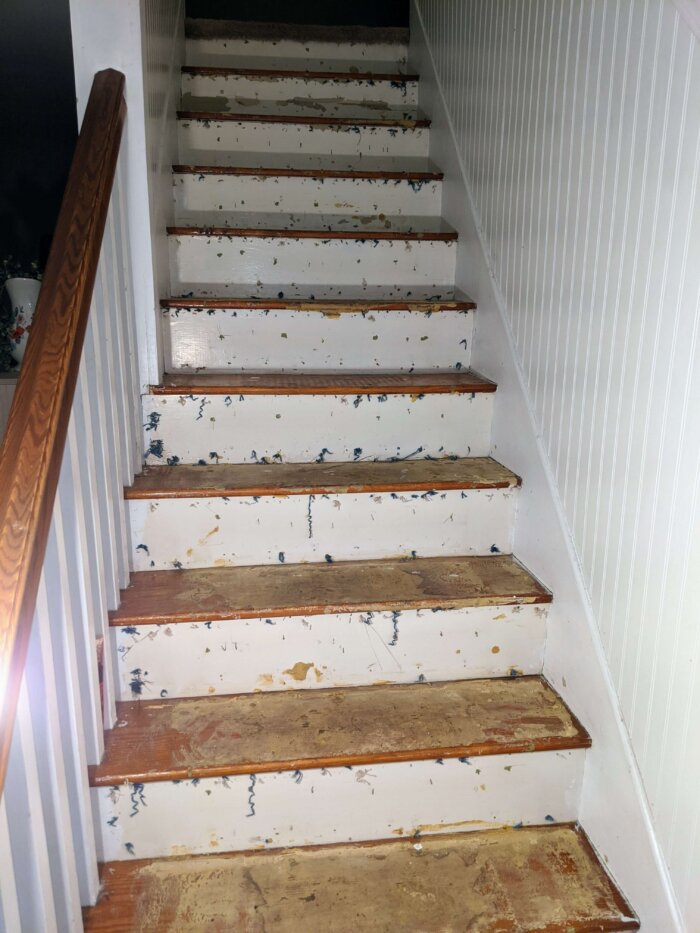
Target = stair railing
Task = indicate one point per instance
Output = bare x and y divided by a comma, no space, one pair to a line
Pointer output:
71,444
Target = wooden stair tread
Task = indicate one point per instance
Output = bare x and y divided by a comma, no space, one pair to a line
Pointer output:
311,226
253,479
540,878
216,116
320,383
291,172
347,301
272,590
200,28
290,730
300,72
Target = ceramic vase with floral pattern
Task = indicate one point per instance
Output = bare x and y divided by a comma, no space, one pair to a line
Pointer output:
23,294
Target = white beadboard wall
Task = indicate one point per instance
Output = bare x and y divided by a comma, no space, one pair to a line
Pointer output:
144,39
578,126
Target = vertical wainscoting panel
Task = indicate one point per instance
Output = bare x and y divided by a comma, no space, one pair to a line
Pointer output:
579,127
163,38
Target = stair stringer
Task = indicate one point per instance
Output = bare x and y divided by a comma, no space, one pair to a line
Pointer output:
614,809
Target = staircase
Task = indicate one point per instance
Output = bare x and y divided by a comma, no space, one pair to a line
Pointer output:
332,711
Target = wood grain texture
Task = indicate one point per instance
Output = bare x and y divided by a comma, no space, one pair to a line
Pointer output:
394,78
537,879
292,479
196,28
218,117
282,172
351,383
32,450
324,305
295,233
287,730
273,590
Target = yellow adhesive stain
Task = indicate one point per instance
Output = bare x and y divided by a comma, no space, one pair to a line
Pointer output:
437,827
500,616
221,562
212,690
265,680
318,675
189,552
300,670
214,842
333,315
495,649
208,535
180,850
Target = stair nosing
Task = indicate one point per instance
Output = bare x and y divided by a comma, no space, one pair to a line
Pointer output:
380,174
236,30
102,776
306,120
295,233
470,383
140,489
537,594
355,305
346,76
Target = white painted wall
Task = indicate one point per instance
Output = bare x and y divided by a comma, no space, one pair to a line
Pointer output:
7,391
570,133
144,39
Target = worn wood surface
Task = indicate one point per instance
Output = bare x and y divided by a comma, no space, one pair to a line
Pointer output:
196,28
290,479
30,459
389,175
541,879
248,117
393,77
318,232
330,383
314,589
331,306
158,740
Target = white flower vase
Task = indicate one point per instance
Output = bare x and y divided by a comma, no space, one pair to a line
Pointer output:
23,295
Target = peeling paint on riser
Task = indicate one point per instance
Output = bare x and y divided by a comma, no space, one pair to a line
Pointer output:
218,532
237,89
291,808
255,339
252,136
307,428
291,194
335,650
312,53
279,260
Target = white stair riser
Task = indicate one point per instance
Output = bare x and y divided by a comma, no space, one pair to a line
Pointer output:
251,136
278,260
305,428
337,804
244,88
338,650
299,195
222,52
219,531
289,340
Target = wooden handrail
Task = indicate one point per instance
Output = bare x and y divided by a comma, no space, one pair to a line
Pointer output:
32,450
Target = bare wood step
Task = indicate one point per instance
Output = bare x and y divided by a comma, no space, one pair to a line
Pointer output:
332,383
273,590
311,233
196,28
306,120
289,730
289,172
295,479
217,71
539,878
331,306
